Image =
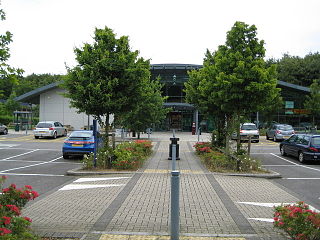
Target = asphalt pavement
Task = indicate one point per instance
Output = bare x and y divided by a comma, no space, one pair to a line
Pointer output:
136,205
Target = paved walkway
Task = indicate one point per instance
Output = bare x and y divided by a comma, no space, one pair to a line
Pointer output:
137,205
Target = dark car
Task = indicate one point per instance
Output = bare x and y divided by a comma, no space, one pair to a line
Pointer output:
79,143
306,147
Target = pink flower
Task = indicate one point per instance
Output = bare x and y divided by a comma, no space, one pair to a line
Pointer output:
6,220
28,219
4,231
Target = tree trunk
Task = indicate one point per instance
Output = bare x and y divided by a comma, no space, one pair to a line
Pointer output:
138,135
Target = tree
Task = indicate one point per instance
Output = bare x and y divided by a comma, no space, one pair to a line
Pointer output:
148,110
236,80
8,75
108,79
312,102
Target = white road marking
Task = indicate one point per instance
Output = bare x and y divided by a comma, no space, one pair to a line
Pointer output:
32,174
274,205
28,161
31,165
263,219
98,179
87,186
280,165
302,178
20,155
8,145
315,169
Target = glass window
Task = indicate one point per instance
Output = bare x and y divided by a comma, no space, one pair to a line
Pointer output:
84,135
249,127
285,127
44,125
315,141
305,140
292,139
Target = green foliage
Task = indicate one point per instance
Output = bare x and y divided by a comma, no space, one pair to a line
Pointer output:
12,225
235,80
104,156
298,221
8,75
297,70
312,102
131,155
109,77
148,109
218,161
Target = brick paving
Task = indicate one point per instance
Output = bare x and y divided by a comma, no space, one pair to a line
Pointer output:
138,207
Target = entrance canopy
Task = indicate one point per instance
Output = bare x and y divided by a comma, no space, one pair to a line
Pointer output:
179,106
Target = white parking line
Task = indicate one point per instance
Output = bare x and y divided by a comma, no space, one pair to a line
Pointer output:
98,179
315,169
31,165
302,178
19,155
32,174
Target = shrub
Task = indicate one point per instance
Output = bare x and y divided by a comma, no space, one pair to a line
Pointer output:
12,199
104,156
202,147
298,221
131,155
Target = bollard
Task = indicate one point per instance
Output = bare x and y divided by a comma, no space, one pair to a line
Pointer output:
175,212
95,143
173,157
174,141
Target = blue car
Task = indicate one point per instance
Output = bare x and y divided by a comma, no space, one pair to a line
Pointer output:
306,147
79,143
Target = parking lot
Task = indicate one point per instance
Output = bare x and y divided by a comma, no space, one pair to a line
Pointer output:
36,162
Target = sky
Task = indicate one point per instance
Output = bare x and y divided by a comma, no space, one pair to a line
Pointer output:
45,32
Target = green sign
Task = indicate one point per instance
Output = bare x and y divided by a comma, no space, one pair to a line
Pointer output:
289,104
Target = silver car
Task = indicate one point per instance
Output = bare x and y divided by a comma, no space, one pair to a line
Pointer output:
279,132
49,129
246,130
3,129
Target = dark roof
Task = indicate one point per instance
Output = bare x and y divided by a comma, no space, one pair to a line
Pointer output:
294,86
34,95
175,66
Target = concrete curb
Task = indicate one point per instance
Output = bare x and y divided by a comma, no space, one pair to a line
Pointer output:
80,172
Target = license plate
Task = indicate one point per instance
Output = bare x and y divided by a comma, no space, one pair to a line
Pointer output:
315,156
42,132
77,145
285,137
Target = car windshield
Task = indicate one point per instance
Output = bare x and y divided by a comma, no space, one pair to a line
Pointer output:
285,128
249,127
81,135
44,125
316,141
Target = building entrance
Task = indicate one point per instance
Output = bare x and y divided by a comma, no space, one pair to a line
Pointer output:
175,120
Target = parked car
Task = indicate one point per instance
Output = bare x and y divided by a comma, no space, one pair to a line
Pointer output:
279,132
246,130
3,129
79,143
49,129
306,147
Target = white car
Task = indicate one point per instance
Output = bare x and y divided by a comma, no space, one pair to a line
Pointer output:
49,129
246,130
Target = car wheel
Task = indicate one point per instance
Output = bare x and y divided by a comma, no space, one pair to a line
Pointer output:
36,137
65,156
274,138
65,133
5,132
282,151
301,157
267,136
54,135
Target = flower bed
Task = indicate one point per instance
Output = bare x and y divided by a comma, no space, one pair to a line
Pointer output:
298,221
126,156
217,161
12,225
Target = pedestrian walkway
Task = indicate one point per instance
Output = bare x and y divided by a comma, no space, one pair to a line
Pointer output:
137,205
